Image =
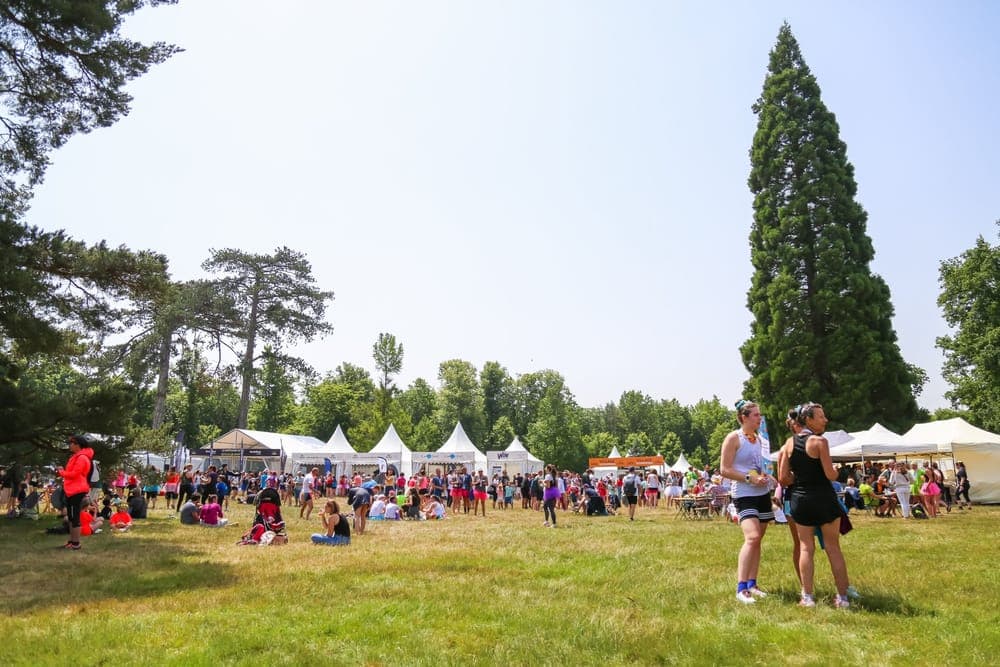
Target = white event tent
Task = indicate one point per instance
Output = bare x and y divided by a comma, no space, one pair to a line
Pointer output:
391,449
978,449
458,449
515,459
342,453
682,464
244,449
878,442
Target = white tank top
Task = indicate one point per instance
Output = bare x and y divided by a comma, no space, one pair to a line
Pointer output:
748,457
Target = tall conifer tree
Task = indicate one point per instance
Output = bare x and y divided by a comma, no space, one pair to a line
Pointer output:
822,327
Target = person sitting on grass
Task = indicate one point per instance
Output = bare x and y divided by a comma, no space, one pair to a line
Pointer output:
392,509
137,506
336,526
211,513
89,523
377,512
411,508
434,509
191,511
121,520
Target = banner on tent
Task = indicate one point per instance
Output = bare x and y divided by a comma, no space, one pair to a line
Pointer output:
209,451
626,462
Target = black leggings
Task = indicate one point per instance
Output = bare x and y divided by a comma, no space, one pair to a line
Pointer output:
185,493
73,505
963,490
549,506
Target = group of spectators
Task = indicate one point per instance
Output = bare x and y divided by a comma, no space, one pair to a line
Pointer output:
915,489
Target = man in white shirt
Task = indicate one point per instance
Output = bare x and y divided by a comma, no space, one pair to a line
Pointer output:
306,495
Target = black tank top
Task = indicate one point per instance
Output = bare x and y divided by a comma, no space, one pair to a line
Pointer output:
808,471
343,528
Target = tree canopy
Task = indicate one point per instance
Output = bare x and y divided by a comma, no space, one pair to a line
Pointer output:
822,321
64,66
278,300
970,301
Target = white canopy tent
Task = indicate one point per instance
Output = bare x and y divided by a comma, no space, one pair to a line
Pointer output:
342,453
833,438
458,449
681,465
244,449
978,449
877,442
515,459
338,443
391,449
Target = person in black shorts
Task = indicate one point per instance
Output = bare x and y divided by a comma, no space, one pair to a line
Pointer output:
630,489
742,462
813,501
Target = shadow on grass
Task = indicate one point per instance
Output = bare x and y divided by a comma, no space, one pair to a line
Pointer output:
38,574
873,602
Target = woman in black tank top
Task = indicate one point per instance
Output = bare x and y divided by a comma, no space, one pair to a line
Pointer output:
813,502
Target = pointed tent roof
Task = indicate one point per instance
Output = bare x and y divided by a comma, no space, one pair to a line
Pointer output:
459,442
516,446
390,443
682,464
614,453
338,442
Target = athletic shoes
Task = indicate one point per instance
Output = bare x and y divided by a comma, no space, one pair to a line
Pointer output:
745,597
853,593
757,593
807,601
841,602
546,524
69,546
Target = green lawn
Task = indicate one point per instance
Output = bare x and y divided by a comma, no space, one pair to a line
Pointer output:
503,589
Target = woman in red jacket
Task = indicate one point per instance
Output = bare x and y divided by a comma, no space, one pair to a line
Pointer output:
76,485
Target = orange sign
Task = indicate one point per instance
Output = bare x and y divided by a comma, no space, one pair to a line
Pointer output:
627,462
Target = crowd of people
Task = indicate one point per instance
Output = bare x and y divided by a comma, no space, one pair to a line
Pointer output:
809,493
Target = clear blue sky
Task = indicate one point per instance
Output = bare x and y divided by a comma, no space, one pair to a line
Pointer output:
546,184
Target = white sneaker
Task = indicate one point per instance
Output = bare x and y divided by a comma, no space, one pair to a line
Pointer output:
745,597
757,593
546,524
841,602
807,601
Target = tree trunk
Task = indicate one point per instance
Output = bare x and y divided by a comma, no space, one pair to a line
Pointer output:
160,405
246,369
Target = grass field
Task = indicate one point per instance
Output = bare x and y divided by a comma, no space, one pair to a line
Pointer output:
499,590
